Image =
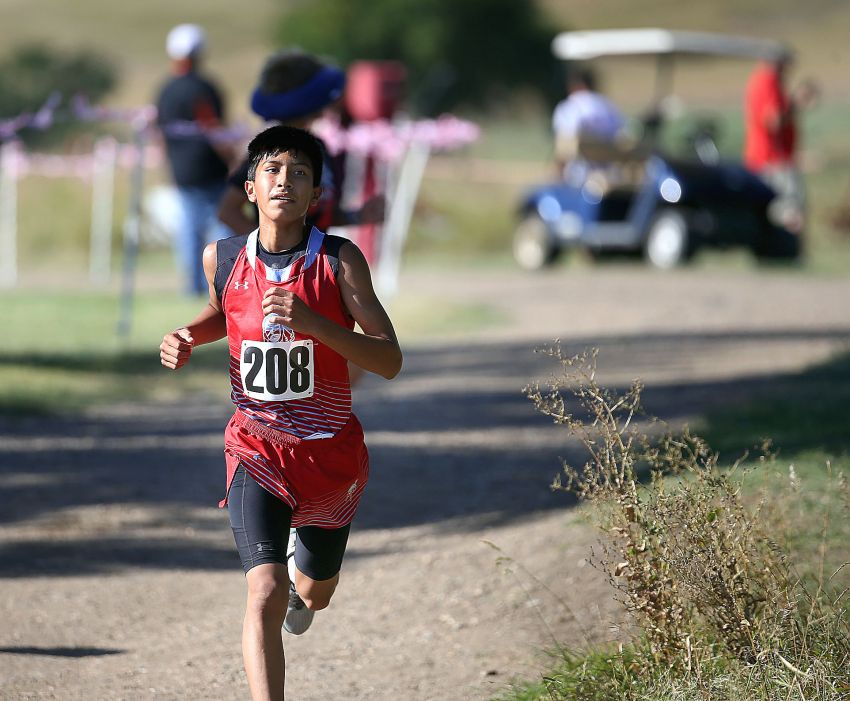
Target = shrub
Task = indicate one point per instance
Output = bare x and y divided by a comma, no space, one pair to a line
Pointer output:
453,61
702,571
31,73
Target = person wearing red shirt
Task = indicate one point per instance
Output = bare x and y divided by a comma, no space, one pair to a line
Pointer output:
770,144
287,297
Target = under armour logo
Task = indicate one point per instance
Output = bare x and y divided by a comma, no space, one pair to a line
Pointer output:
240,285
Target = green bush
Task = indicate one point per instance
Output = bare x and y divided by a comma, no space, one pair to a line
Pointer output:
31,73
458,52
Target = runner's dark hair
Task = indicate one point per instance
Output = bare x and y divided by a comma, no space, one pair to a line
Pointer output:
284,139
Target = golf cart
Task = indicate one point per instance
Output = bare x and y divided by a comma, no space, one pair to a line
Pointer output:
642,200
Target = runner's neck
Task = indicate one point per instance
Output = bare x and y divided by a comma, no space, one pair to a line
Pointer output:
274,240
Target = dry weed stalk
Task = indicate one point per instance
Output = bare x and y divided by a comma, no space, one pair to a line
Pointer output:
609,480
701,572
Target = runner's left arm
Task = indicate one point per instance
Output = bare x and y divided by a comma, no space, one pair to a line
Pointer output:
376,349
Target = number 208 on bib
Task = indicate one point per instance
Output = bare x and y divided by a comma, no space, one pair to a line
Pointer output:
277,372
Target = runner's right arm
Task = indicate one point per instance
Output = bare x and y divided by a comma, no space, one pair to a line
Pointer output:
208,326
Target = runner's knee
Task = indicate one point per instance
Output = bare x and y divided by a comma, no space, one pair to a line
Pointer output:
268,590
317,603
317,595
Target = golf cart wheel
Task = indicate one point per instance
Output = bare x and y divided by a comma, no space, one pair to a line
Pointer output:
534,246
668,242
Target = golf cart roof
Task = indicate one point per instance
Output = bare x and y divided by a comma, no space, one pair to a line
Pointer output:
583,45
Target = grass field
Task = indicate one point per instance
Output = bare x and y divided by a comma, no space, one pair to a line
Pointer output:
50,364
807,418
61,352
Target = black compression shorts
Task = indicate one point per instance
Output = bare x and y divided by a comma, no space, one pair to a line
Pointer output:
260,523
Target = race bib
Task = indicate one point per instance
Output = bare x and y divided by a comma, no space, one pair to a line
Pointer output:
277,372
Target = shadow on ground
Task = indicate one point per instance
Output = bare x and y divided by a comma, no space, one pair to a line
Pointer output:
456,443
75,652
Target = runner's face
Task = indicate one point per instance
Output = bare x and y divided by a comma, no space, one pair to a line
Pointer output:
283,186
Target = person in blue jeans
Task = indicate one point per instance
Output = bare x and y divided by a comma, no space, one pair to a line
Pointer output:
188,106
198,226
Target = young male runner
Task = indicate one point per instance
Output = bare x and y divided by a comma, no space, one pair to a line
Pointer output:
287,299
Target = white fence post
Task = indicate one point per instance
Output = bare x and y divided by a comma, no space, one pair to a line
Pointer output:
8,215
404,196
105,158
132,231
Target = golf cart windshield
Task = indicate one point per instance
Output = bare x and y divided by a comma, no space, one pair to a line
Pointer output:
582,46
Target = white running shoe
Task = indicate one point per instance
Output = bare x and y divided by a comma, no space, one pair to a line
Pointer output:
298,616
290,555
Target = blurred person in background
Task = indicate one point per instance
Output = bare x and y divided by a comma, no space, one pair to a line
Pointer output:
584,114
188,105
771,139
295,89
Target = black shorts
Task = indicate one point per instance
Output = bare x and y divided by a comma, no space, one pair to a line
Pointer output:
260,523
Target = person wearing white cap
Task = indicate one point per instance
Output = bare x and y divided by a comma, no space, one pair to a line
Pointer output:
188,106
185,41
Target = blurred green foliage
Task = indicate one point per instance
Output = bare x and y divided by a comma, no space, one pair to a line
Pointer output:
459,53
31,73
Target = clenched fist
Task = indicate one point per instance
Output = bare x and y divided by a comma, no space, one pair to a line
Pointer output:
175,349
289,309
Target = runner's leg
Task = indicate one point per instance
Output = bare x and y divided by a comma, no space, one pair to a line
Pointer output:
318,559
262,643
315,593
260,524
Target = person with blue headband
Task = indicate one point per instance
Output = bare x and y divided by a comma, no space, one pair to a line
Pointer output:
294,89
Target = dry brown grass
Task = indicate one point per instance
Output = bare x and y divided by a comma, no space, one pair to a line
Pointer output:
702,570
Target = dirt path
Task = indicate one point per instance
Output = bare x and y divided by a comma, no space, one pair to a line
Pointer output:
118,578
